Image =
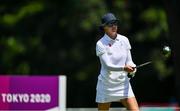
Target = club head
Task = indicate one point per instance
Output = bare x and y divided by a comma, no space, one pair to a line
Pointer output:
166,51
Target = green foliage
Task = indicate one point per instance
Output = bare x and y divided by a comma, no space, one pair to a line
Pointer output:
156,24
27,10
159,60
12,48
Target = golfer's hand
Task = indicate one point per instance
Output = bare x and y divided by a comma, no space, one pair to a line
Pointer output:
132,74
129,69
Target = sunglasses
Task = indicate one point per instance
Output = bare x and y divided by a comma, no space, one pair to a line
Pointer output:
111,24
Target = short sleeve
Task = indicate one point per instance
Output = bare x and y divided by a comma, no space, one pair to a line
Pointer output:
128,45
100,49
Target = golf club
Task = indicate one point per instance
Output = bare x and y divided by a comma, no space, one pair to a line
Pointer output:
131,75
143,64
166,51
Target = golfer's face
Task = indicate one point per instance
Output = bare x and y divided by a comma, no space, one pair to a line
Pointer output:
111,29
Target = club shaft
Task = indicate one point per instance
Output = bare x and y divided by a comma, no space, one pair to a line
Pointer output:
144,64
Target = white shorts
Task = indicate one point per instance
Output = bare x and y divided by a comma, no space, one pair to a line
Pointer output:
113,90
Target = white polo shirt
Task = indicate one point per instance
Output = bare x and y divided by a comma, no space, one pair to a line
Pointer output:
112,80
114,54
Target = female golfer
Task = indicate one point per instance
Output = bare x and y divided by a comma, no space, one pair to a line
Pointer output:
114,54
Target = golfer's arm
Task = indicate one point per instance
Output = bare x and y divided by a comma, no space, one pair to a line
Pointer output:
105,60
129,60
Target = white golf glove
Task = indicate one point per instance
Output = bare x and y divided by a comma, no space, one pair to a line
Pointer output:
132,74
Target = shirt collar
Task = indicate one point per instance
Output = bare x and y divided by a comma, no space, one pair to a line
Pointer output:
109,39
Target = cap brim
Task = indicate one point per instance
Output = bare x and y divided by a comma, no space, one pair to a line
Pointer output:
104,24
